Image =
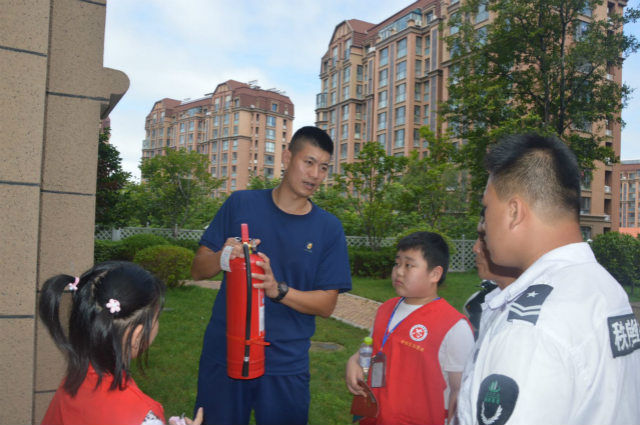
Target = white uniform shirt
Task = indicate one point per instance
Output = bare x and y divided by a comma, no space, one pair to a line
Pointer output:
558,346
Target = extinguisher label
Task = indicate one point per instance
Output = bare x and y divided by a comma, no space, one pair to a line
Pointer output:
261,311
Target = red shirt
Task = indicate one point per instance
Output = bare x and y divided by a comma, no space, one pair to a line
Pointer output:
414,389
101,406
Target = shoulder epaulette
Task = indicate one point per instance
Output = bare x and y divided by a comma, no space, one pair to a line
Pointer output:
527,306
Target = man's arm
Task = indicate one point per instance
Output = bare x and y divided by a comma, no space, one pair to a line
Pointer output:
206,263
318,302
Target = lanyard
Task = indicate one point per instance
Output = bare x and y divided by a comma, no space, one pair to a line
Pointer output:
388,332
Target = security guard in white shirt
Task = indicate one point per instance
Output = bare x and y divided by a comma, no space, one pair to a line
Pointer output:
560,344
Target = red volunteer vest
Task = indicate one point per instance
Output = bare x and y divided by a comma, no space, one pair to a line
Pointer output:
414,388
100,406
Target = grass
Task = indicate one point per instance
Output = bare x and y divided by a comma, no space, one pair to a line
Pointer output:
456,289
172,373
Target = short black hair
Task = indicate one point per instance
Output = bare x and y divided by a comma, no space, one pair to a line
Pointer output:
542,169
434,248
314,135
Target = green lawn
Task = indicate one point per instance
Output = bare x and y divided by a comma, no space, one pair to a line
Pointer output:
456,289
172,373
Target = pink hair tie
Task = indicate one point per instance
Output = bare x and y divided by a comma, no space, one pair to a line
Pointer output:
73,286
113,305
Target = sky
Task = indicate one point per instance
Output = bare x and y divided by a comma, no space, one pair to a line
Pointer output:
185,49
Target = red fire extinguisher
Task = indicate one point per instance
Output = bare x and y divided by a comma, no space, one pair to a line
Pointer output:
245,315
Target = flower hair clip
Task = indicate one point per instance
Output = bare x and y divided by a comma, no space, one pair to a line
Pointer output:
113,306
73,286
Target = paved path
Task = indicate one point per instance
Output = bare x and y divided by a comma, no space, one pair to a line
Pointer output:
352,309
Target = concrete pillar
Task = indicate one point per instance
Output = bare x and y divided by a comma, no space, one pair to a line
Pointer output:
54,91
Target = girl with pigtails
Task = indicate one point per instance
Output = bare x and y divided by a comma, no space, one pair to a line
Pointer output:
114,319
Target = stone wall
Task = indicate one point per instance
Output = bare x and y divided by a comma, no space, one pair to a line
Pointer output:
54,91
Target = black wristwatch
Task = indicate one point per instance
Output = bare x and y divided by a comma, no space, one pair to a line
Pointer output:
283,288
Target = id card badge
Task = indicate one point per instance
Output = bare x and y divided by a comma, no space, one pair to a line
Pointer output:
378,367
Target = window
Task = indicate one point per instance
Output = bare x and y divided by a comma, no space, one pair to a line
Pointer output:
182,139
581,30
401,70
427,45
357,130
332,118
416,138
235,130
216,120
227,101
268,159
382,121
359,72
225,121
225,132
225,145
453,29
182,127
334,80
416,115
236,117
345,93
214,158
426,91
398,140
418,68
586,232
384,56
345,131
382,139
402,48
384,76
274,107
585,205
356,149
269,147
345,112
343,151
346,74
268,172
333,98
271,121
400,114
270,134
347,49
191,125
401,92
190,137
382,99
419,46
359,91
223,171
216,104
483,12
235,144
225,158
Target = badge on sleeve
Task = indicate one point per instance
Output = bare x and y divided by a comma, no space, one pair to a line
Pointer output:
497,398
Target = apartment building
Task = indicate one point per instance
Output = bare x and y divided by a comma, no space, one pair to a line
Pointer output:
242,128
630,197
384,81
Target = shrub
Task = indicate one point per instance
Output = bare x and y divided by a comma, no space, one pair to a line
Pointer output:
135,243
185,243
367,263
169,263
107,250
619,254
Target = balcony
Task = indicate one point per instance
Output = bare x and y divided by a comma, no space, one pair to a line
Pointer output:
146,143
607,189
607,218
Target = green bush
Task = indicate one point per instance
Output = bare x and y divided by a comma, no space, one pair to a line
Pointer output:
107,250
135,243
367,263
169,263
185,243
619,254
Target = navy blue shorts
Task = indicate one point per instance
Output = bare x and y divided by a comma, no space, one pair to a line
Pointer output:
275,399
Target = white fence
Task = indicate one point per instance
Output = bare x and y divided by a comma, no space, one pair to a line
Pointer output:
462,260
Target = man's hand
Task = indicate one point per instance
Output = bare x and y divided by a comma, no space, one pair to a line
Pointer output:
354,373
269,283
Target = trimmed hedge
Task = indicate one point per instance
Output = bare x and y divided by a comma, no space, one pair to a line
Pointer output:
619,254
170,263
185,243
135,243
367,263
107,250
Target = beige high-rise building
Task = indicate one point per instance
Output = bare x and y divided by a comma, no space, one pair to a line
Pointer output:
241,127
384,81
630,197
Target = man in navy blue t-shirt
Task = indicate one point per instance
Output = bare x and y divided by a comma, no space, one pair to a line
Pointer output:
304,255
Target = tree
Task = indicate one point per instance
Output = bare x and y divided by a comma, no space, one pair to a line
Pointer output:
367,185
176,184
432,190
111,179
619,254
262,182
540,65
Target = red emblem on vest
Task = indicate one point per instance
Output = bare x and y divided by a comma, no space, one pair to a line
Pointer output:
418,332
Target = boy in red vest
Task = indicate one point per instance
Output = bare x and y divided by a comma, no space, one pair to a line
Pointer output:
420,342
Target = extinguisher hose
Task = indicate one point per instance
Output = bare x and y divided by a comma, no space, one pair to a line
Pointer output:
247,347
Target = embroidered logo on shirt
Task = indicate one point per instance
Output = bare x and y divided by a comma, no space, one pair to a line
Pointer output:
527,306
418,332
624,334
496,399
308,247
